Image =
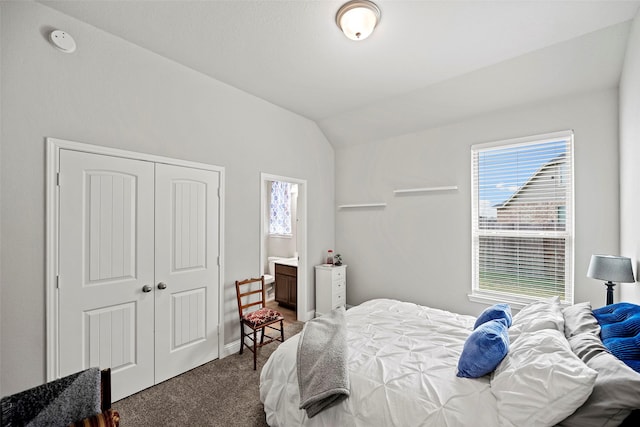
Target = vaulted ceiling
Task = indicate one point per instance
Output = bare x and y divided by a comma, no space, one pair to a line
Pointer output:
428,63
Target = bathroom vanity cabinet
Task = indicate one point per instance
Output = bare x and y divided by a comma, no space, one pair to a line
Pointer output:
286,285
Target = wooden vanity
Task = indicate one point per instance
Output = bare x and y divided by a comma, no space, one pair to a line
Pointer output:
286,285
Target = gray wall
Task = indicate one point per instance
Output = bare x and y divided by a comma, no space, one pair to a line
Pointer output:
115,94
630,159
418,248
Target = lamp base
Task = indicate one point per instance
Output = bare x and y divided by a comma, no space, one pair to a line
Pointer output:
609,286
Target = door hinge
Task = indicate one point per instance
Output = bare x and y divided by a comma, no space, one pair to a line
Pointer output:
218,329
218,260
57,282
58,179
218,192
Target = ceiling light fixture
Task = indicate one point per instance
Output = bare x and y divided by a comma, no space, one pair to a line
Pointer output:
358,18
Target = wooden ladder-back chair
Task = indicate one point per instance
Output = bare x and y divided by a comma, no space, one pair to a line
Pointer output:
258,319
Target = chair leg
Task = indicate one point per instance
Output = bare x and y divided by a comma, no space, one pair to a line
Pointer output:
255,350
262,336
281,331
241,337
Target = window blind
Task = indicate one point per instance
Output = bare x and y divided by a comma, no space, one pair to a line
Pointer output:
522,217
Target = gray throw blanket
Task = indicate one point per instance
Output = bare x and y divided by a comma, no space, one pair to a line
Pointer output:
57,403
323,377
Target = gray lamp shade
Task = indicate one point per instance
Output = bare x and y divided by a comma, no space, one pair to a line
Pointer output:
611,268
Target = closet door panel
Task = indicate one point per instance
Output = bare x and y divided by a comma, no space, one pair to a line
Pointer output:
105,259
187,222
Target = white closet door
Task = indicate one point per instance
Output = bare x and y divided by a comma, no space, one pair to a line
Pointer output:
106,257
187,235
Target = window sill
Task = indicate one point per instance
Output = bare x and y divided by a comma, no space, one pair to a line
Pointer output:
515,302
490,300
281,236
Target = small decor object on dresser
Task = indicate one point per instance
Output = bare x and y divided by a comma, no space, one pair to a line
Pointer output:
337,260
330,256
331,288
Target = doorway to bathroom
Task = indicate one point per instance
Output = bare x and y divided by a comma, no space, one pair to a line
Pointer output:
283,248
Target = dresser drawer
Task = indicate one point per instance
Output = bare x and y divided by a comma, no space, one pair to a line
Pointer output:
339,286
338,274
338,299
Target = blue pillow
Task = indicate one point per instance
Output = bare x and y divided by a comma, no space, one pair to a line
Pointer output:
620,331
497,311
484,349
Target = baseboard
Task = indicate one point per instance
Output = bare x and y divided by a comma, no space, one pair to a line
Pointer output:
310,315
229,349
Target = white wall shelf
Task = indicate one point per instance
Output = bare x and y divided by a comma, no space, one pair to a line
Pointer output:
362,205
425,189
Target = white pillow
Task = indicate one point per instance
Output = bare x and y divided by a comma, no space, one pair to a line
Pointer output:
539,315
540,382
578,319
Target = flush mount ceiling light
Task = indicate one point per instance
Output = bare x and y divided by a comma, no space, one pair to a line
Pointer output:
358,18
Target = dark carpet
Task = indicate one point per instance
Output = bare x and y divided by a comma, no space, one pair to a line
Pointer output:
224,392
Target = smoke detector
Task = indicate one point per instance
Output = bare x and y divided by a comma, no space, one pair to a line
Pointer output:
63,41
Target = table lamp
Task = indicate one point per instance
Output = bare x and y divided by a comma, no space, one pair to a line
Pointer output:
613,269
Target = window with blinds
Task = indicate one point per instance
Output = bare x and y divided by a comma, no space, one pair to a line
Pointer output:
522,218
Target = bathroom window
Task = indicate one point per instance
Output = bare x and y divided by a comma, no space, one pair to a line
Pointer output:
280,217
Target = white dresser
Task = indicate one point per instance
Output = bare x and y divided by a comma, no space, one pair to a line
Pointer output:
331,287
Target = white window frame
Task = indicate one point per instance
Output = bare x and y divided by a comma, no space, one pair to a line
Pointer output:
517,300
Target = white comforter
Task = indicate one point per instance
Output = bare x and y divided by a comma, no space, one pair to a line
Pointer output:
402,365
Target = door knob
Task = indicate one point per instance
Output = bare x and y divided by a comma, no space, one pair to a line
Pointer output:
147,288
162,285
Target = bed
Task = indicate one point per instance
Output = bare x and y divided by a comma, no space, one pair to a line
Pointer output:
402,362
